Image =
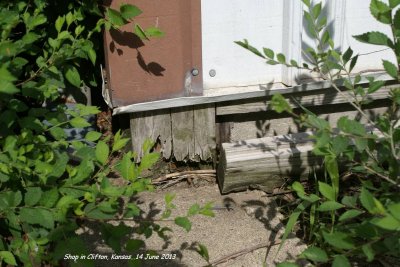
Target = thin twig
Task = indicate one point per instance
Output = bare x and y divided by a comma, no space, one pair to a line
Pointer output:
382,176
243,252
175,175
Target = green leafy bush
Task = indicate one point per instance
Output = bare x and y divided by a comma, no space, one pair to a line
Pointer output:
349,226
50,185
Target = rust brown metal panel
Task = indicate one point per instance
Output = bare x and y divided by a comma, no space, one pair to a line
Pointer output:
141,71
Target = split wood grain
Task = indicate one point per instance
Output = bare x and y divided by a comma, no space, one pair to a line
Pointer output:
151,125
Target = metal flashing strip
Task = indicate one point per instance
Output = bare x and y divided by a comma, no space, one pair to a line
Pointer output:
199,100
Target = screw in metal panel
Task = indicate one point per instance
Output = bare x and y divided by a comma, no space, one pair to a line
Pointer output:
212,72
195,72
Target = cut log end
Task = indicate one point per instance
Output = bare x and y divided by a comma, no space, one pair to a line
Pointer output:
266,163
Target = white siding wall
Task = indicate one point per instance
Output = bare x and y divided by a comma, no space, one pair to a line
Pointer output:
276,24
226,21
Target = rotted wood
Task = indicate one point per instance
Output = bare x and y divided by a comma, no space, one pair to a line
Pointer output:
193,132
151,125
265,163
182,133
187,133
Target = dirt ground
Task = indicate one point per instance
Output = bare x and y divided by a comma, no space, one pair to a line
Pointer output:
244,232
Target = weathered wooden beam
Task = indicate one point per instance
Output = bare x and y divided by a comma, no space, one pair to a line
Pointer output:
321,97
265,163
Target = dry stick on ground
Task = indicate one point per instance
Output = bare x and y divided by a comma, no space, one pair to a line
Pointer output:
178,179
176,175
243,252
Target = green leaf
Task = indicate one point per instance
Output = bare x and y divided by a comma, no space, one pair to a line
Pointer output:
375,38
394,209
79,122
381,11
140,32
126,167
59,23
338,239
315,254
394,3
115,17
353,63
368,252
35,21
316,10
169,198
307,2
102,151
119,142
340,144
332,168
281,58
203,251
350,214
388,222
326,190
109,190
69,18
351,126
92,55
292,220
269,53
58,133
330,206
298,187
280,104
8,88
49,198
193,210
245,44
375,86
370,203
92,136
184,223
153,32
207,210
340,261
39,216
72,75
8,258
318,123
294,63
391,69
396,25
149,160
347,55
6,75
350,201
32,195
134,245
10,199
129,11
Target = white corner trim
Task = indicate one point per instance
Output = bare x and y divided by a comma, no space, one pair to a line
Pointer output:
291,39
